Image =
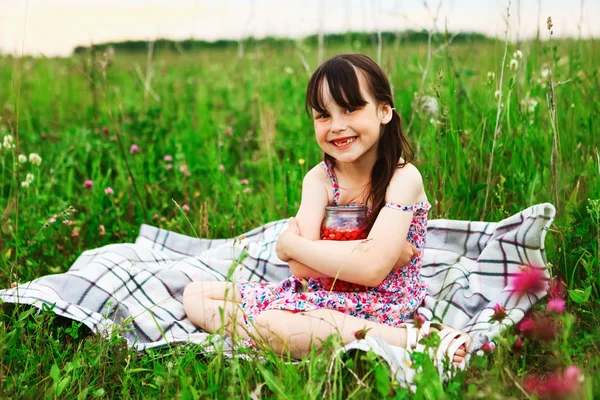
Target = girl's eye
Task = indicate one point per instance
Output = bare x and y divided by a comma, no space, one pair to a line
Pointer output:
322,116
350,110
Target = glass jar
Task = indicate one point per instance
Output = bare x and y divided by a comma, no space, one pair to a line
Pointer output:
348,222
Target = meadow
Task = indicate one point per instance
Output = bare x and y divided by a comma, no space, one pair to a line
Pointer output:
215,142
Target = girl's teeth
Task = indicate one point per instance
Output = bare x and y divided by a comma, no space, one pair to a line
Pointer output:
344,142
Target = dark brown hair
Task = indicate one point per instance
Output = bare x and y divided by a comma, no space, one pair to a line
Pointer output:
342,80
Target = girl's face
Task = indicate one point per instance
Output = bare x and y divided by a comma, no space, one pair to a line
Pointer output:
350,134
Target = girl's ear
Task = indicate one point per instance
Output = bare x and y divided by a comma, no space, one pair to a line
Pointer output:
386,113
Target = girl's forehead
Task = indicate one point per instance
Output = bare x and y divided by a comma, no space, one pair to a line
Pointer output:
327,98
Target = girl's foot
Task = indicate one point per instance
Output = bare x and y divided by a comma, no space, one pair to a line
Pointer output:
454,344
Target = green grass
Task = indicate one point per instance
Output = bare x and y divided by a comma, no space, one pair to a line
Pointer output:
70,111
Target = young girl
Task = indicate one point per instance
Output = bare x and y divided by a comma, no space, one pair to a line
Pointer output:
367,161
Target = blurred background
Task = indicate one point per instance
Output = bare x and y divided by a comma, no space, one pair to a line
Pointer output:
56,27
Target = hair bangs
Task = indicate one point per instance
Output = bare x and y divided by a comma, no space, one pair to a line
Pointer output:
342,82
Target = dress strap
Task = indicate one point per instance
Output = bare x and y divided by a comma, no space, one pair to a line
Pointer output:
422,205
331,174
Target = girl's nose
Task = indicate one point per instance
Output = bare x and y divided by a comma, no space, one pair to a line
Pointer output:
338,124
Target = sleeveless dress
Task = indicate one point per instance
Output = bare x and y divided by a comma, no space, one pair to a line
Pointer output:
390,303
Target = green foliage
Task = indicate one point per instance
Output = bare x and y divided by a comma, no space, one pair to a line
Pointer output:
224,119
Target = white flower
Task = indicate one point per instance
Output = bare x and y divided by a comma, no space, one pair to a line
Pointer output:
528,105
25,184
35,158
22,158
430,105
497,94
518,54
545,72
514,64
29,178
8,142
491,76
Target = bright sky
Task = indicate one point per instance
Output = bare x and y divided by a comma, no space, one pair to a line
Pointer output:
55,27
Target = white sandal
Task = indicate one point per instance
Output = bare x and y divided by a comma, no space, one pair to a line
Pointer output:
450,341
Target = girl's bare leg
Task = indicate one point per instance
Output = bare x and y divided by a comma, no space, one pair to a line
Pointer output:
213,306
295,333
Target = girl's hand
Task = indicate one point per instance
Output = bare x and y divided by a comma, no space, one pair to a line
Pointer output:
408,253
285,240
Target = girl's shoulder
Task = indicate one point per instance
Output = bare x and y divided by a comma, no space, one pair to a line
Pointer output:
407,180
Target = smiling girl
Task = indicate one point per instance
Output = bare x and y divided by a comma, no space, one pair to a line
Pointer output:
367,162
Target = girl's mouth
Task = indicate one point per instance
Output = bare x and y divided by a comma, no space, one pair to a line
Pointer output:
344,144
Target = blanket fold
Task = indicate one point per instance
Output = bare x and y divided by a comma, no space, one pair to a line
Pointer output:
468,267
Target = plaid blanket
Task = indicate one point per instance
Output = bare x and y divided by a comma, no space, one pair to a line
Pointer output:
468,267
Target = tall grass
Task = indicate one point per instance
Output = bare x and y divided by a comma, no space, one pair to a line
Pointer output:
223,119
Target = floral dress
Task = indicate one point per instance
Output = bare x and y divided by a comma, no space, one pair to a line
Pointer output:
391,302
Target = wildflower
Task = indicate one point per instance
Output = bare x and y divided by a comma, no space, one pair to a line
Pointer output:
9,142
557,386
168,158
247,190
545,72
527,327
418,321
25,184
109,191
22,158
155,216
514,64
68,222
517,346
556,306
499,313
491,76
29,178
555,289
35,158
185,208
301,161
221,167
488,347
244,181
430,105
14,284
288,70
88,184
169,167
102,230
229,131
518,54
183,169
498,94
74,233
134,149
529,280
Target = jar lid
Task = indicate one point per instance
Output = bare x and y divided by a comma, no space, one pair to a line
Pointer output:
347,207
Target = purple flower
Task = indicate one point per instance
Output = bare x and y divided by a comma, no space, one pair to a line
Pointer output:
109,191
88,184
556,306
488,347
134,149
185,208
168,158
244,181
499,313
529,280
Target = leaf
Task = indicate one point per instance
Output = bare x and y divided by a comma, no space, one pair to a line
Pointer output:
54,372
382,379
580,296
272,382
62,385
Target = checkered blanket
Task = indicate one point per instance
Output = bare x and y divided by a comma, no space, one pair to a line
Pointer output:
468,267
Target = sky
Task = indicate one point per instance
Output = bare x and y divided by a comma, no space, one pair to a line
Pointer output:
55,27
